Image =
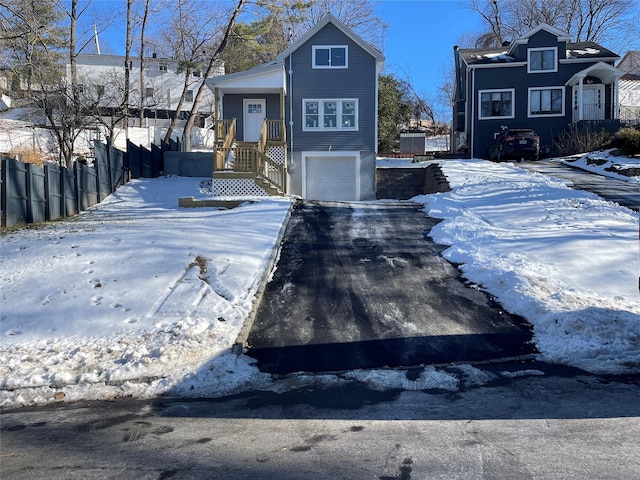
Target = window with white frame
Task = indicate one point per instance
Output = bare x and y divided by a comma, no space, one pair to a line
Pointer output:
542,60
163,67
330,56
546,102
330,114
189,96
496,104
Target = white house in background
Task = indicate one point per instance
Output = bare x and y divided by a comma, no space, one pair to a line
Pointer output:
101,82
630,88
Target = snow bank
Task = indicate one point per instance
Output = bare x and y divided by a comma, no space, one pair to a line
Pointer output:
133,290
565,260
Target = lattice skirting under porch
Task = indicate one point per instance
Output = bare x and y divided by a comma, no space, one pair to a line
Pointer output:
277,154
236,187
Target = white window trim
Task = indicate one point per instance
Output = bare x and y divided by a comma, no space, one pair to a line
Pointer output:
493,90
321,127
329,47
541,115
542,49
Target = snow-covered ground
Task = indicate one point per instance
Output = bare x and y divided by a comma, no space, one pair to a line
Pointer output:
137,297
606,163
19,133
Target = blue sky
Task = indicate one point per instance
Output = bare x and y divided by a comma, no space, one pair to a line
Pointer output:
418,43
420,38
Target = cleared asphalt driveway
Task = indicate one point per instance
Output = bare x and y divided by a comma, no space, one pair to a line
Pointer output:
622,192
361,285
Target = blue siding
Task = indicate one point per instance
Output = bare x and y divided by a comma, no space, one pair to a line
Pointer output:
357,81
485,74
233,108
518,78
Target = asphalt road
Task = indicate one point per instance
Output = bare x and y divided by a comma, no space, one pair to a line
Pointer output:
624,193
522,421
360,285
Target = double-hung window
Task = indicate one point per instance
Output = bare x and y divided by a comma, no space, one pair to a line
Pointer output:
496,104
330,56
330,114
546,102
542,60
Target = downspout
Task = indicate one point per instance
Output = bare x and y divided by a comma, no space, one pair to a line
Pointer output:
290,105
473,110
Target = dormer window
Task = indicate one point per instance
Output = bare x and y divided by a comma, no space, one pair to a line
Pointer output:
329,56
542,60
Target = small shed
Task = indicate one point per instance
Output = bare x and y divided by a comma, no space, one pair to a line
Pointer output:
413,143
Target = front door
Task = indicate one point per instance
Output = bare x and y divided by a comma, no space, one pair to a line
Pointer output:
255,111
592,102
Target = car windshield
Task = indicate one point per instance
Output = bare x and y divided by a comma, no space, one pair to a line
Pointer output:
522,133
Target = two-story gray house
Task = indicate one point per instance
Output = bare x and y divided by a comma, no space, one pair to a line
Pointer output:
304,124
540,81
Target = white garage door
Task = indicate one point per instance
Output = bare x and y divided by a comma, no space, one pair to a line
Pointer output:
331,178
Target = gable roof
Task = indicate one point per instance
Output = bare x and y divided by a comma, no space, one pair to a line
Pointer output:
575,51
326,19
630,63
604,71
524,38
270,71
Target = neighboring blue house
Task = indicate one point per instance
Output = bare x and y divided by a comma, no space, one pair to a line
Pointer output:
304,124
540,81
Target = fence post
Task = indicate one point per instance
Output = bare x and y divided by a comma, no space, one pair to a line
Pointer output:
36,197
76,185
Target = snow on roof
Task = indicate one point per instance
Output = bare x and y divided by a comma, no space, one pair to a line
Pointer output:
499,56
586,51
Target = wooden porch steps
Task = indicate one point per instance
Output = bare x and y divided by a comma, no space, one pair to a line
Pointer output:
238,184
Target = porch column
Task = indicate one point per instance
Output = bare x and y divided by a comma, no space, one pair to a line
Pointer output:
216,96
282,116
616,99
580,111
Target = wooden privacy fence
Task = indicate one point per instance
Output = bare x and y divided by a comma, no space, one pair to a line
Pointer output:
32,194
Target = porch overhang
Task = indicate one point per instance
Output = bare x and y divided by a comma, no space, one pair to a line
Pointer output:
605,72
269,78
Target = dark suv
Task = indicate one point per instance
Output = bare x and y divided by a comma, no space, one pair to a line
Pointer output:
515,144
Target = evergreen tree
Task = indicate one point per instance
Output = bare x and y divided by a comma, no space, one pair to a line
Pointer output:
32,40
394,110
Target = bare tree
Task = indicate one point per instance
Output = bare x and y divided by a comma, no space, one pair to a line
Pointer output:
143,30
189,38
209,67
127,69
358,15
584,20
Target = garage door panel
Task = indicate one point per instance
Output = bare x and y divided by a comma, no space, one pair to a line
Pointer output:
331,178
